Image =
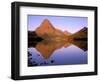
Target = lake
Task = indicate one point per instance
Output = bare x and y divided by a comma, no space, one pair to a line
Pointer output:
49,53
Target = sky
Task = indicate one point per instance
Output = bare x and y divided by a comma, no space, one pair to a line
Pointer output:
64,23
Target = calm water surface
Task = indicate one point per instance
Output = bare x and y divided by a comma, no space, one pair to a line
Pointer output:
57,53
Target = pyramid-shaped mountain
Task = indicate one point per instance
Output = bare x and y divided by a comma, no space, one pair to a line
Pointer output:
46,29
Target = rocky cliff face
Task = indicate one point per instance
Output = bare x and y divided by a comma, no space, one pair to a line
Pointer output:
46,29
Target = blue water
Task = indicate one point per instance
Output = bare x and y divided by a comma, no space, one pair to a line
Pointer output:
71,55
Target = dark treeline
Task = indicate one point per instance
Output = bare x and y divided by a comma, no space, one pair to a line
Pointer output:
32,36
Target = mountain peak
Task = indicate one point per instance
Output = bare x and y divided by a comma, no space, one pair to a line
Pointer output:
83,29
47,29
46,22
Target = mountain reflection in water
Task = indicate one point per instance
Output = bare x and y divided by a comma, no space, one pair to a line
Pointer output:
46,53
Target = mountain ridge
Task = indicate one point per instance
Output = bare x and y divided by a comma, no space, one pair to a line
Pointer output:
47,31
81,34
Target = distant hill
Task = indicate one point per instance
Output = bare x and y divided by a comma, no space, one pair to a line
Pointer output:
67,33
81,34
